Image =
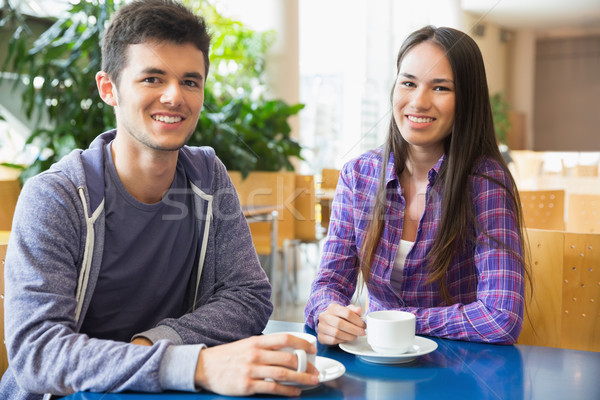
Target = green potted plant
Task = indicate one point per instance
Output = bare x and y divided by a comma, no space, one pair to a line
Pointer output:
248,130
500,113
502,124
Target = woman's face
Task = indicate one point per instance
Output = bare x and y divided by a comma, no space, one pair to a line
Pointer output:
424,98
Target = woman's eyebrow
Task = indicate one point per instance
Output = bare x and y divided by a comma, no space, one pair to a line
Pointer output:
407,75
442,80
434,80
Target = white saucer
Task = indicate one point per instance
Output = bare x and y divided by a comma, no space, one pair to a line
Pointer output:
363,350
329,369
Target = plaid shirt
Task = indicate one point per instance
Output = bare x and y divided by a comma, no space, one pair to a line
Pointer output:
486,282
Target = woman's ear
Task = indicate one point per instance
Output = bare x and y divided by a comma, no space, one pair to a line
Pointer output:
106,88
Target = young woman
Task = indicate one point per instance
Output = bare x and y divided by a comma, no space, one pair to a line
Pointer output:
432,220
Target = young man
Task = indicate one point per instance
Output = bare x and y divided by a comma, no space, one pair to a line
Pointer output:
127,259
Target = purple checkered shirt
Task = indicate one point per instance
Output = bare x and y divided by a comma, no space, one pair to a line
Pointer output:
485,280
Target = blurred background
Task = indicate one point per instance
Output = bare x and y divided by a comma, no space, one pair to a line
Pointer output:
337,58
299,87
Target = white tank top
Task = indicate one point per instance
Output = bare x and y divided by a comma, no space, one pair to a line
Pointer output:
396,277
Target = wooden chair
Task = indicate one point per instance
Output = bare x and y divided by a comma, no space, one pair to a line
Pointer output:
543,209
528,166
583,213
9,193
306,231
329,180
564,309
586,170
542,321
581,292
3,357
262,188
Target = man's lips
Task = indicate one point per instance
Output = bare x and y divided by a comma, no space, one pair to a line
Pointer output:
168,119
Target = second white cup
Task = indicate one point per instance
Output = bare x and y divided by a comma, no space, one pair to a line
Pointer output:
391,332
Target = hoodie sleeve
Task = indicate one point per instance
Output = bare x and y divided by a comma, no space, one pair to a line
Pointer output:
46,353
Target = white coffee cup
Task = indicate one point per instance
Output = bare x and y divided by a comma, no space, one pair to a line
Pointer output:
311,358
303,357
391,331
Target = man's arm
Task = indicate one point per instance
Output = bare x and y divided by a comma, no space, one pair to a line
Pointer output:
46,353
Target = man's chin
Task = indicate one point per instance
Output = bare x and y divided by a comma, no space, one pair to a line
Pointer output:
174,146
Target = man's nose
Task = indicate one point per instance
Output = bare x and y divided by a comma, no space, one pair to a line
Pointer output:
172,94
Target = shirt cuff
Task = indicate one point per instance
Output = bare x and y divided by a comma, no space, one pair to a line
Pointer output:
178,367
160,332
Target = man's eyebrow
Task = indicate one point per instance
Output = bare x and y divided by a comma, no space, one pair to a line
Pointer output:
153,70
194,75
158,71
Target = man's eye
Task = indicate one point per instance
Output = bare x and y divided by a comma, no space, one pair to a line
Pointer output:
191,83
150,80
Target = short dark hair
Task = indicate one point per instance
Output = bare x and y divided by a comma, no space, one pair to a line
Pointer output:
151,20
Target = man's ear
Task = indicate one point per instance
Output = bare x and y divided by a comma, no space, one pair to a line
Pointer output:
106,88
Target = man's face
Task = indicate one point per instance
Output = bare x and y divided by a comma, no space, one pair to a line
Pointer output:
160,94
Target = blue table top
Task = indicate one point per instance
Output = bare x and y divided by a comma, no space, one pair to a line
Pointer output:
455,370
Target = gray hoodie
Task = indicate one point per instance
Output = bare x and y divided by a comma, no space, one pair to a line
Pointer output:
53,261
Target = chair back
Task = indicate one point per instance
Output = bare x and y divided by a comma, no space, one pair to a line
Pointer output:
564,308
3,357
304,208
543,209
542,321
528,165
583,213
586,170
329,178
262,188
581,292
9,193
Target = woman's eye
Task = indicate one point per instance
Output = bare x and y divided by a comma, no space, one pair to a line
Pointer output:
150,80
441,88
408,84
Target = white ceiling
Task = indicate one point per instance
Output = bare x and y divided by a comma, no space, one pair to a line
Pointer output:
537,14
541,15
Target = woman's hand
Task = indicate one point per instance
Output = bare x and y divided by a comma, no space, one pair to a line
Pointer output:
340,324
240,368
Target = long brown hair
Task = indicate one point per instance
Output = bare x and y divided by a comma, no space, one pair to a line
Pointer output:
472,138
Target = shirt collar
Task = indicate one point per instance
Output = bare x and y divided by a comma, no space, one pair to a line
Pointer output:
391,175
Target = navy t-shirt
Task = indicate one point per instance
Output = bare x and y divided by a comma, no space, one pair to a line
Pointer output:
150,252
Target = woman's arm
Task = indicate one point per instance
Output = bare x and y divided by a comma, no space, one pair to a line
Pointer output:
496,313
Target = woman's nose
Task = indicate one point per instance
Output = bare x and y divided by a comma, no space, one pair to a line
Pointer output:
420,99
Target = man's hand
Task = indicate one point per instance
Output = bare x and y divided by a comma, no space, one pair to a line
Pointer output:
339,324
240,368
